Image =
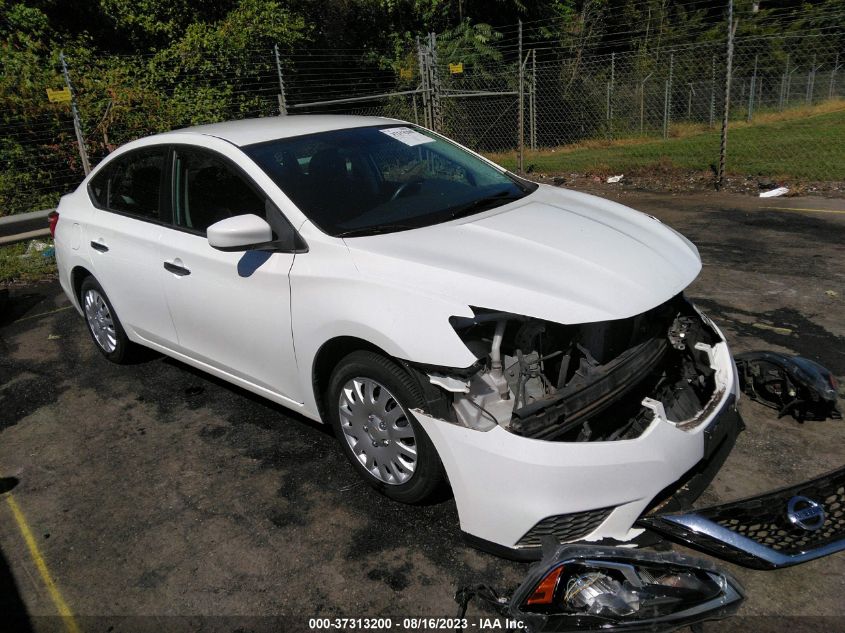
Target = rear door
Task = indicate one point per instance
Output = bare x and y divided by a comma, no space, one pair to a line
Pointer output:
131,213
231,309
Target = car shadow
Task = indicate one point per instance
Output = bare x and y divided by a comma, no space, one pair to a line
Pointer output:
15,306
244,393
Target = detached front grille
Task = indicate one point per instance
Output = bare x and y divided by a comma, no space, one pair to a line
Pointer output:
564,528
777,529
765,519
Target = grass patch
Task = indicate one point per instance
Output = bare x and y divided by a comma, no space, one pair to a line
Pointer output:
18,265
805,143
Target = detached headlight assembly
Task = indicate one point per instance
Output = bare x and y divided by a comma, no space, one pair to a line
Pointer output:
586,587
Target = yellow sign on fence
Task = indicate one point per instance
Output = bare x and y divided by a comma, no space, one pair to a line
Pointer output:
456,69
58,96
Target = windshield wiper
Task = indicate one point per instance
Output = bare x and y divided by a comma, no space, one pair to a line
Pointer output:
375,230
482,204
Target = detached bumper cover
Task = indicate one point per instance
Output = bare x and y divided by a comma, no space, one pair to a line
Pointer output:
778,529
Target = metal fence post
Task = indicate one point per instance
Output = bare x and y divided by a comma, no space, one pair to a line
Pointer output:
521,157
712,91
77,124
642,101
283,108
723,145
426,96
751,91
436,111
609,107
689,102
789,84
811,76
667,98
533,95
783,84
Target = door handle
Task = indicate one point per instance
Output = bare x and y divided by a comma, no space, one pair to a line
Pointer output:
99,246
181,271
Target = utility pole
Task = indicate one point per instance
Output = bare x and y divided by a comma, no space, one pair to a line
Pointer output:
723,146
283,108
77,124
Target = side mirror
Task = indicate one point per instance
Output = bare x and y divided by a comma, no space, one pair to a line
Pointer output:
239,233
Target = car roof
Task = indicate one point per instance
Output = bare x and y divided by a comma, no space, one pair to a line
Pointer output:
249,131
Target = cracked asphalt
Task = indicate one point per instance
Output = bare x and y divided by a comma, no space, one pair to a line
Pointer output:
154,490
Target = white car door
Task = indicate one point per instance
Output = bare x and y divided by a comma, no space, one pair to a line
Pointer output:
231,309
123,234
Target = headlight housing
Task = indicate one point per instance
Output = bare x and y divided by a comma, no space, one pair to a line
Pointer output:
586,587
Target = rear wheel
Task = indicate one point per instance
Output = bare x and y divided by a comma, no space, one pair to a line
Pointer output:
369,400
103,325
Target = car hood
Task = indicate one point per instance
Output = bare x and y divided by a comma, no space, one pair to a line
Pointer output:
556,254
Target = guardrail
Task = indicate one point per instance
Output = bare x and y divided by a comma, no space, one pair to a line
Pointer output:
24,226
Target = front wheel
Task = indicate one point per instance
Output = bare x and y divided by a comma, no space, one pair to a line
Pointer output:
369,400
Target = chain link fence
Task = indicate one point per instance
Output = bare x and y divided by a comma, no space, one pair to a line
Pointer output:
560,109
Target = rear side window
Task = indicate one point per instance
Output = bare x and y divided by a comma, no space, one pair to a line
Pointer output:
208,189
131,184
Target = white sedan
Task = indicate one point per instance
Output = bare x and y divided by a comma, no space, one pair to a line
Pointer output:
528,346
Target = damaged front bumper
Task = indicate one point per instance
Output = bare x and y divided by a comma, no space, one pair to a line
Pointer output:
511,491
777,529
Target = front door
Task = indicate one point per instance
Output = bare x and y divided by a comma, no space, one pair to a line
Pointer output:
231,310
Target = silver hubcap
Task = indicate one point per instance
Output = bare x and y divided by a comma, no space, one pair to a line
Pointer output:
100,320
378,430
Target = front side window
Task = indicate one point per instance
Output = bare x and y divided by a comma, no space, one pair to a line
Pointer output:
207,189
368,180
131,184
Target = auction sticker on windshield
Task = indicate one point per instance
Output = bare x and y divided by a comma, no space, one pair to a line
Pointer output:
407,135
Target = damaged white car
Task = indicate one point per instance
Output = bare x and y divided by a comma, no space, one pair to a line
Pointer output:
459,326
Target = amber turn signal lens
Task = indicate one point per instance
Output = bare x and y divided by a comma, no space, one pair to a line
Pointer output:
545,591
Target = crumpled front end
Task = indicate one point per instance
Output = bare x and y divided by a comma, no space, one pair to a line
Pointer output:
574,431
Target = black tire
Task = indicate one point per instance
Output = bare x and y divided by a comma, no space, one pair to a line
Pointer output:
428,481
124,350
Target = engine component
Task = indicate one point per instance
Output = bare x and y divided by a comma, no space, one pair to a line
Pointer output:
562,382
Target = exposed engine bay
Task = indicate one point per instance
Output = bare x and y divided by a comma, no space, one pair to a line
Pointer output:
587,382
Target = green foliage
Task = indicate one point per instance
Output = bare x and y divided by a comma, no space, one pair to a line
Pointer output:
20,262
780,138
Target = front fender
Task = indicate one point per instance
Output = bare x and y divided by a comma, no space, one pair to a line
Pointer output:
330,298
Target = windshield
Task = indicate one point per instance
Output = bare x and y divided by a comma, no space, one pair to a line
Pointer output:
363,181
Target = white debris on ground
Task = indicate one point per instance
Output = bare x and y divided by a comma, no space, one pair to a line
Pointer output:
774,193
618,178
